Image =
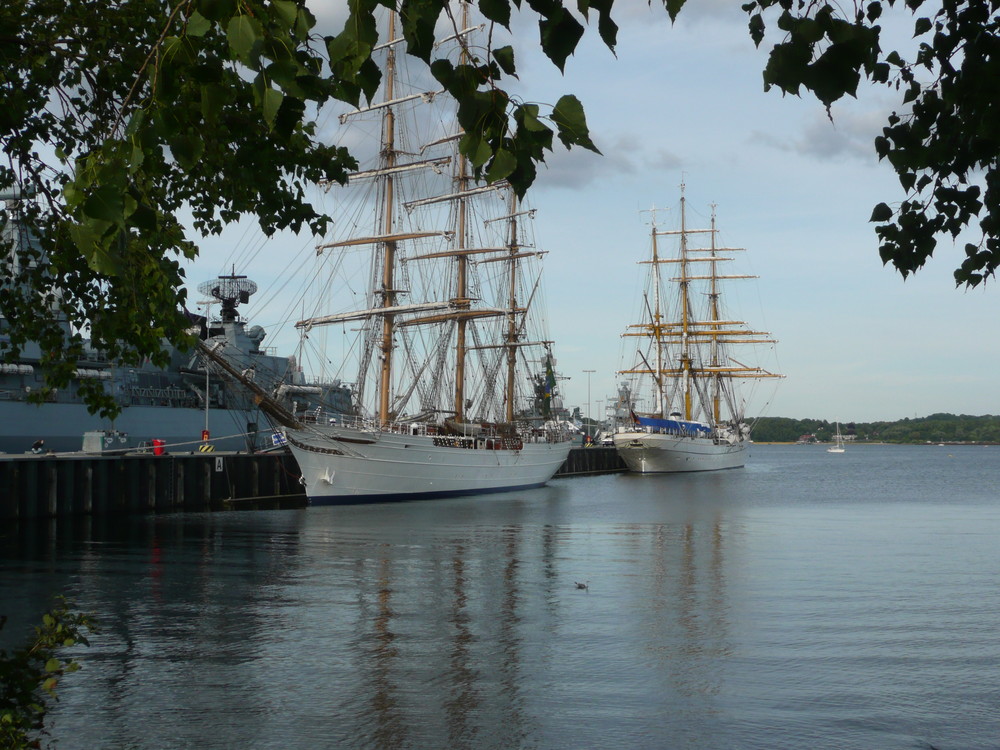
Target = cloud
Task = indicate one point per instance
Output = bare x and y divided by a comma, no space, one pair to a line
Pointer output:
849,136
623,154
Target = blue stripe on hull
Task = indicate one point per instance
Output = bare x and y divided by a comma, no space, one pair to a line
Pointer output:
646,472
397,497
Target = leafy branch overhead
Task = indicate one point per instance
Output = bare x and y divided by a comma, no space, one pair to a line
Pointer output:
140,126
943,142
129,120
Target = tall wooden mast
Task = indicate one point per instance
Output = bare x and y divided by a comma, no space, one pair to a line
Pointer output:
461,300
389,252
686,321
714,323
660,406
512,313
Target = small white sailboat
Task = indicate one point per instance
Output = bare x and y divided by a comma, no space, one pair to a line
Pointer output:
838,442
453,381
684,362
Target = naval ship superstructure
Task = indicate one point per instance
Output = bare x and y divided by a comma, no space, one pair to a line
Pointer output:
189,404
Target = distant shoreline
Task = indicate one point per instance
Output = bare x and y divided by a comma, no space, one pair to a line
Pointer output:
861,443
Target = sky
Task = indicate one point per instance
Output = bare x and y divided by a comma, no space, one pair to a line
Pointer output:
684,102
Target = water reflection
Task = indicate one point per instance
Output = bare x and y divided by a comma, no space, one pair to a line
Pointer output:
748,609
395,627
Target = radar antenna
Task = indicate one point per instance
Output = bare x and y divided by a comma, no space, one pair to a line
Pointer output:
231,291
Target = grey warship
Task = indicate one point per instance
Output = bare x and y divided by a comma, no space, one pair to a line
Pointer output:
185,406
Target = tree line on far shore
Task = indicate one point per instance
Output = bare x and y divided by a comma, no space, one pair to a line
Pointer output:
936,428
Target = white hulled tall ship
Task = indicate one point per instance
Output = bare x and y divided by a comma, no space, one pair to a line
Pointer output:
685,363
441,275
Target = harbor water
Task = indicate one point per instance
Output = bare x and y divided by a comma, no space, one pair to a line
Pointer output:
809,600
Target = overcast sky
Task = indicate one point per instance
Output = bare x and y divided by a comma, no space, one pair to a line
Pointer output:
686,102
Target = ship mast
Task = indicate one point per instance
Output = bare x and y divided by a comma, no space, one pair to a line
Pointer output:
389,253
512,311
657,323
461,300
686,322
714,322
387,306
691,335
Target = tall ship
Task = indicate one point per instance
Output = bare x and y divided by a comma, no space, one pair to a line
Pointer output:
686,362
439,290
188,404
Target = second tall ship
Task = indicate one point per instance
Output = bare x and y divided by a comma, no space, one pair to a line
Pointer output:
685,363
446,353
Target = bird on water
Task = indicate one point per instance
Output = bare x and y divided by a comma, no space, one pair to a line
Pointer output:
582,585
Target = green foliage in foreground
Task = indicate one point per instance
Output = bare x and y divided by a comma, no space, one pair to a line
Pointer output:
936,428
29,675
141,128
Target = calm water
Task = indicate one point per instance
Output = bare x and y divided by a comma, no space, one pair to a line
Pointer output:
807,601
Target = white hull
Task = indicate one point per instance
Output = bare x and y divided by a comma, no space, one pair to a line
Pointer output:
653,453
347,465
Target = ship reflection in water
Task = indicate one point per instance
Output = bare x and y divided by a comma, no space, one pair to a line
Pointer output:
745,609
408,625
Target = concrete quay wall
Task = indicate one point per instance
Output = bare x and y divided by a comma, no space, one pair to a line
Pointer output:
34,487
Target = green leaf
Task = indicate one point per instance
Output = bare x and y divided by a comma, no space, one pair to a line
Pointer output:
197,25
529,118
881,213
560,35
284,73
369,77
105,203
476,149
187,149
419,20
135,121
497,11
571,122
304,21
136,157
673,8
87,238
243,33
757,28
212,98
287,12
52,665
606,27
73,195
217,10
505,59
503,164
143,218
272,102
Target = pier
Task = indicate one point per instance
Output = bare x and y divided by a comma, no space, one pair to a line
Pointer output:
593,459
50,486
